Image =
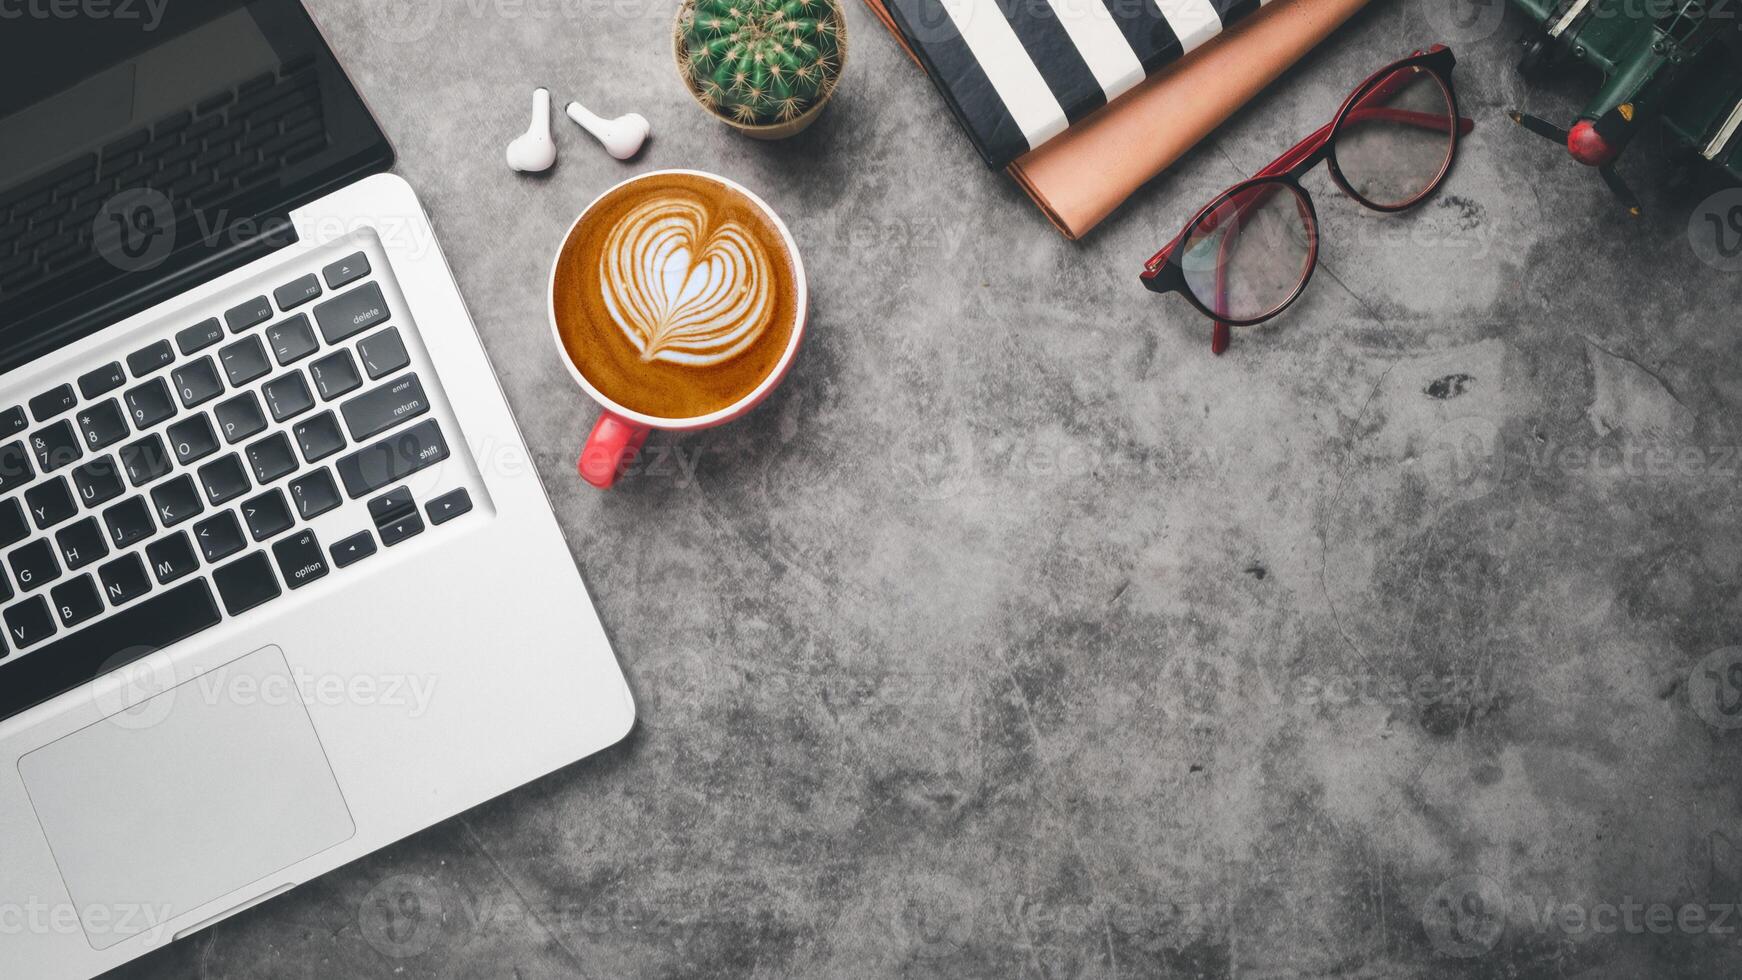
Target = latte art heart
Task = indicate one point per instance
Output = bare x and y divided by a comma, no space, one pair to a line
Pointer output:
682,288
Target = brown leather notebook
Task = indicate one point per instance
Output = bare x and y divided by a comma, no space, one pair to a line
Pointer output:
1081,175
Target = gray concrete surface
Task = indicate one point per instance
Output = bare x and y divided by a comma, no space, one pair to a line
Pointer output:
1017,636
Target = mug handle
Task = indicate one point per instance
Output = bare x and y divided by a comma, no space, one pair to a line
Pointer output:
612,446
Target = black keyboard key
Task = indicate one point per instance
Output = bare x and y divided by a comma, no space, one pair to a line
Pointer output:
300,559
294,294
353,549
314,493
104,379
27,623
392,505
392,459
199,336
271,458
55,446
240,417
346,271
176,500
224,479
266,514
351,313
76,600
50,502
215,102
149,403
144,459
148,359
52,402
448,506
291,340
319,437
255,311
401,528
244,361
384,407
34,565
98,481
287,395
335,375
103,424
175,122
246,582
12,421
13,525
124,579
81,543
197,382
192,438
220,536
172,557
15,468
382,353
115,641
129,522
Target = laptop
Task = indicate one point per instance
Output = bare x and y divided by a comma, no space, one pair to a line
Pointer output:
278,582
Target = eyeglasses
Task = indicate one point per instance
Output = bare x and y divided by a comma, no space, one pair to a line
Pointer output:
1244,258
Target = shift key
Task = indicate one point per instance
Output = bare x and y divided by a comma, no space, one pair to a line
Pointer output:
384,406
350,313
392,459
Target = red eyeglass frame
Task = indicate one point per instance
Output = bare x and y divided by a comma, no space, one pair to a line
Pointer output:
1163,273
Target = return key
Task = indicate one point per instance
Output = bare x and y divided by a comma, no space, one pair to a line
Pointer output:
384,406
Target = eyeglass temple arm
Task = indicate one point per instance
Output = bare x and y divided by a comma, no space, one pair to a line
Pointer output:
1303,150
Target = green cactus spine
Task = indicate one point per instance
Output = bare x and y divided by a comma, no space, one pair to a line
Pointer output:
761,62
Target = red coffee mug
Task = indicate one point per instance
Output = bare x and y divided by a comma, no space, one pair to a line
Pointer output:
618,435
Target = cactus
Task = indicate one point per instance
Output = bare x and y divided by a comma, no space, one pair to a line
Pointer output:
761,62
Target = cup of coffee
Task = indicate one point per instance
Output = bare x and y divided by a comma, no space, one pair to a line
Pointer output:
677,301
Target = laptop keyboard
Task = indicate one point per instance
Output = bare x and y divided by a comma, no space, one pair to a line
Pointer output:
142,502
223,150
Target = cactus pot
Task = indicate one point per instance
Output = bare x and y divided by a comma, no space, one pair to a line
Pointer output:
765,131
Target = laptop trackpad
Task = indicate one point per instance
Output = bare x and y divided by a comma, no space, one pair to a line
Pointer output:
185,797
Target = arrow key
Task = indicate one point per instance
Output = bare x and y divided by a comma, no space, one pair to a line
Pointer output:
353,549
396,531
448,506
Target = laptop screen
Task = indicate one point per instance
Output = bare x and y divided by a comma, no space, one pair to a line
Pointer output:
146,145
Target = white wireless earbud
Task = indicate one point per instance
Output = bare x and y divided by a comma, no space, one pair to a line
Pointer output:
534,151
622,137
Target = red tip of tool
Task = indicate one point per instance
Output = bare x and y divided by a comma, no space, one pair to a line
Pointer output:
1587,146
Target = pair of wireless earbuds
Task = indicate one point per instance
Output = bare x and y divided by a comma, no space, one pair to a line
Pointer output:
534,150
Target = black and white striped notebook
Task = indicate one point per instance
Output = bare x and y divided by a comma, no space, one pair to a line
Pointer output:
1019,72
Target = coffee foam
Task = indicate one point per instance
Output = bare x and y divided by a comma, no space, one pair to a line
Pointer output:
676,296
685,289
